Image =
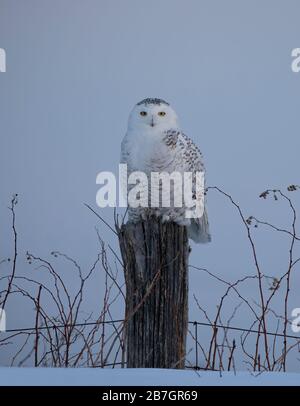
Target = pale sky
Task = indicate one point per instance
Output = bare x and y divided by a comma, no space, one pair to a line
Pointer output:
74,71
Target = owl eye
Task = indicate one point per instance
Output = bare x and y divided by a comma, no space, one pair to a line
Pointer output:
162,113
143,113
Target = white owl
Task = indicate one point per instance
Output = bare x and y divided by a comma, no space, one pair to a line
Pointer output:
155,143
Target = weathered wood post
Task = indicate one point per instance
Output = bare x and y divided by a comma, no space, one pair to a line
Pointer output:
155,257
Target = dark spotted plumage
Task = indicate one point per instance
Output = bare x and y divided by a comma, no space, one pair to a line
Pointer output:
189,151
153,101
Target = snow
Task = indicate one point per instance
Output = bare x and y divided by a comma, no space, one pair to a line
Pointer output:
10,376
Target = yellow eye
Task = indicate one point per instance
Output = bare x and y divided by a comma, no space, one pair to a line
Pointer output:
143,113
162,113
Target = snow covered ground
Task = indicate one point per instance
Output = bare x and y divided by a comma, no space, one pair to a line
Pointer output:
139,377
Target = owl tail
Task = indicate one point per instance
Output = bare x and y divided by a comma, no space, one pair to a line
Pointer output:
198,231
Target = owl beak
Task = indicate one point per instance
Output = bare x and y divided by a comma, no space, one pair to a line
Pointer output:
152,122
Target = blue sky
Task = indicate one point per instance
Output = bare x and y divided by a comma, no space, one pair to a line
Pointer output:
74,71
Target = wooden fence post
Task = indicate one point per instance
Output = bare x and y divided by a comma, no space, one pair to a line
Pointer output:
155,257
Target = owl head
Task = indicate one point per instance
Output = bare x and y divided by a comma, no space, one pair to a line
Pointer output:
152,114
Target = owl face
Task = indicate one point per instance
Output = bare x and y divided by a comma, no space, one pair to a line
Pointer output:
152,114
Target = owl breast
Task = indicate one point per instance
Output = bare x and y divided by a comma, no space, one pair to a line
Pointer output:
151,154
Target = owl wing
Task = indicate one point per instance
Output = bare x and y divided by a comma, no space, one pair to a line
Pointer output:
124,159
190,159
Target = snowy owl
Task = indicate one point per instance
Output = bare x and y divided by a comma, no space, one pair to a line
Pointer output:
155,143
